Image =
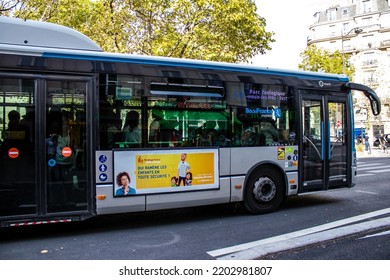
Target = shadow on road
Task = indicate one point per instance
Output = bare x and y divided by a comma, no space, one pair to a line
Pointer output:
150,219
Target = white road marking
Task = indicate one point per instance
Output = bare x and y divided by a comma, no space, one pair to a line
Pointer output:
370,164
263,250
300,233
368,168
366,192
375,235
365,175
380,171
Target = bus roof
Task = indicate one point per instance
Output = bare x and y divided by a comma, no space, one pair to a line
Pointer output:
15,31
189,63
55,41
164,61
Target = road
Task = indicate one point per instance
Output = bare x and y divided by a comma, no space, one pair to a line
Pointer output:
227,231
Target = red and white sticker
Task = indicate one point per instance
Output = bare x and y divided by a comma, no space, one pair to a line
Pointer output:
13,153
66,152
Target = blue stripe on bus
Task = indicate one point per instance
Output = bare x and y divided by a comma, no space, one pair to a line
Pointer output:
150,60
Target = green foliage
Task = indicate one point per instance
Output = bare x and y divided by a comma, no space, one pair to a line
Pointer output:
219,30
320,60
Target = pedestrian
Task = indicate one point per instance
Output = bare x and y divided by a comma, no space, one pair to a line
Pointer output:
383,143
367,144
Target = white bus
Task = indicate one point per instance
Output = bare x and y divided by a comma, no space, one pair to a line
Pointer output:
86,133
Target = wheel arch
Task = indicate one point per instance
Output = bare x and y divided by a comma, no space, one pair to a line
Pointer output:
265,188
265,164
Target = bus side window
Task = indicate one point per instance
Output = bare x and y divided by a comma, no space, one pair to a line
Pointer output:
110,128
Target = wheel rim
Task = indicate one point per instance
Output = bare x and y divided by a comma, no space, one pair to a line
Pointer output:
264,189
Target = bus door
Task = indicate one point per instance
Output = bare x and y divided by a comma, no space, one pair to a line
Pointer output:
18,188
44,147
66,145
324,145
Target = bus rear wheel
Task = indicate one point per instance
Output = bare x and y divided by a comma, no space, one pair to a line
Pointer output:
264,191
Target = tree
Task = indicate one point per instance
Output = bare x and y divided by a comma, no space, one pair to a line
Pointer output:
218,30
320,60
6,6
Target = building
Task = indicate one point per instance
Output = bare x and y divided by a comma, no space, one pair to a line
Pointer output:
360,29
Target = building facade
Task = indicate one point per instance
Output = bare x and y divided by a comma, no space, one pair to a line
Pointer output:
360,29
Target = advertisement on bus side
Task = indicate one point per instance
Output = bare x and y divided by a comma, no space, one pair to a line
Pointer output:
160,171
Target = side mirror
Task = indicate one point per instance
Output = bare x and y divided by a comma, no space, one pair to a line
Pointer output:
375,107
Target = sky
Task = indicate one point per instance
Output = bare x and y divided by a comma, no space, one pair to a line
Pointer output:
290,21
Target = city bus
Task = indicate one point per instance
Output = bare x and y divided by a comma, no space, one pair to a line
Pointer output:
87,133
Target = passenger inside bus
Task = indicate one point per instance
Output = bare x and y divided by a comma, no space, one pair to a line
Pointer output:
154,130
270,133
249,137
222,140
16,135
110,127
131,130
28,120
207,134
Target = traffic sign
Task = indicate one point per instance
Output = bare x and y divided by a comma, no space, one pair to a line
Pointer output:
66,152
13,153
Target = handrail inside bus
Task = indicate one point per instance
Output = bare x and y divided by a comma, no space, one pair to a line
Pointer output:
320,154
370,94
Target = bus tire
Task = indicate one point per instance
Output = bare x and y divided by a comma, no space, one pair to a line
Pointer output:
264,190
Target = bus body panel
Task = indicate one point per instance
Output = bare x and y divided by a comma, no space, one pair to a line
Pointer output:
140,203
230,187
245,158
224,157
237,188
189,198
111,205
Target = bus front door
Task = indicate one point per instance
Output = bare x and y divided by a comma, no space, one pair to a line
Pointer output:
325,147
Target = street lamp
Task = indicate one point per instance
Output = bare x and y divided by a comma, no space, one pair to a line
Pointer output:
356,30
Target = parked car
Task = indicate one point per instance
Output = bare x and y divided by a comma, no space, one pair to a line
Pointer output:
376,141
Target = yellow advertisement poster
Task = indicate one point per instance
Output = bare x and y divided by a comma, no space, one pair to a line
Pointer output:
156,171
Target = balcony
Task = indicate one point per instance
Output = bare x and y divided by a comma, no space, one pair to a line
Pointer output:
384,44
370,63
349,48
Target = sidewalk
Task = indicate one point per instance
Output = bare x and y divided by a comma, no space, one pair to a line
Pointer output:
375,152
